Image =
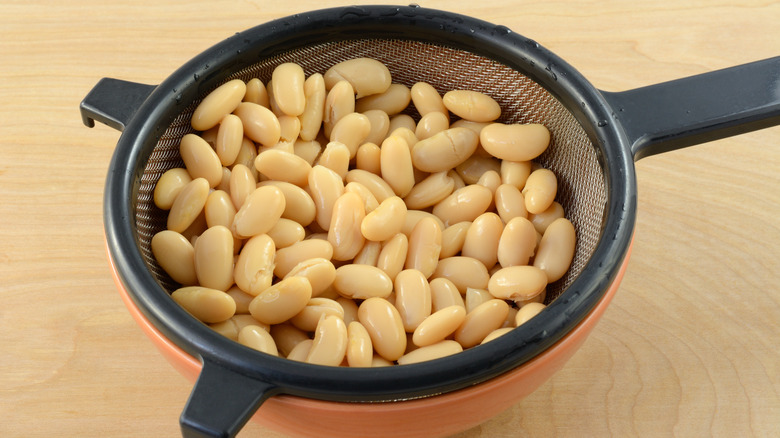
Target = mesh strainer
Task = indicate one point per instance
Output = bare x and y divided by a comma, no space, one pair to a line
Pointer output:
596,137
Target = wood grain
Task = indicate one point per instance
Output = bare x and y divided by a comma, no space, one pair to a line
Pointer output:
689,347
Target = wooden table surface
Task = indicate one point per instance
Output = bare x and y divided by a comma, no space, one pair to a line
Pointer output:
689,347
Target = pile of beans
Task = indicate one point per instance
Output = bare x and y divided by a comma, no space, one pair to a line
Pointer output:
316,220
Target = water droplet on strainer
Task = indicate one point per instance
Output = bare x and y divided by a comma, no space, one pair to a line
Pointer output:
501,29
603,123
196,76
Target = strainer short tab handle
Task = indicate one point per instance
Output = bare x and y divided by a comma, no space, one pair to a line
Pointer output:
596,139
221,402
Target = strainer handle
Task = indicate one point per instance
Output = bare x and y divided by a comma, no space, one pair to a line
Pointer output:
221,402
698,109
113,102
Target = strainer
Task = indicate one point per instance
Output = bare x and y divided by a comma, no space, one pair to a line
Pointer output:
596,138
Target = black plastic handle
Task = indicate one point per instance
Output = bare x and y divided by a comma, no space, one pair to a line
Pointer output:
113,102
221,402
698,109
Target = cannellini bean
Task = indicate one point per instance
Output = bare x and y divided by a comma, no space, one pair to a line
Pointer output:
281,301
219,209
383,324
543,220
496,334
319,271
287,336
330,342
395,161
444,294
481,321
472,105
426,99
412,298
464,272
439,325
517,243
339,102
369,254
217,104
509,202
368,158
335,157
300,352
286,232
288,258
352,130
482,238
283,166
362,281
289,129
325,187
453,238
205,304
517,282
260,211
169,186
242,183
308,150
380,126
256,92
308,318
516,142
298,205
444,150
288,79
257,338
435,351
344,233
366,75
464,204
430,191
424,247
515,172
214,258
260,123
176,256
311,119
431,124
246,156
254,269
527,312
360,350
392,101
556,250
402,121
200,159
492,181
229,138
385,221
540,190
392,257
224,185
475,297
